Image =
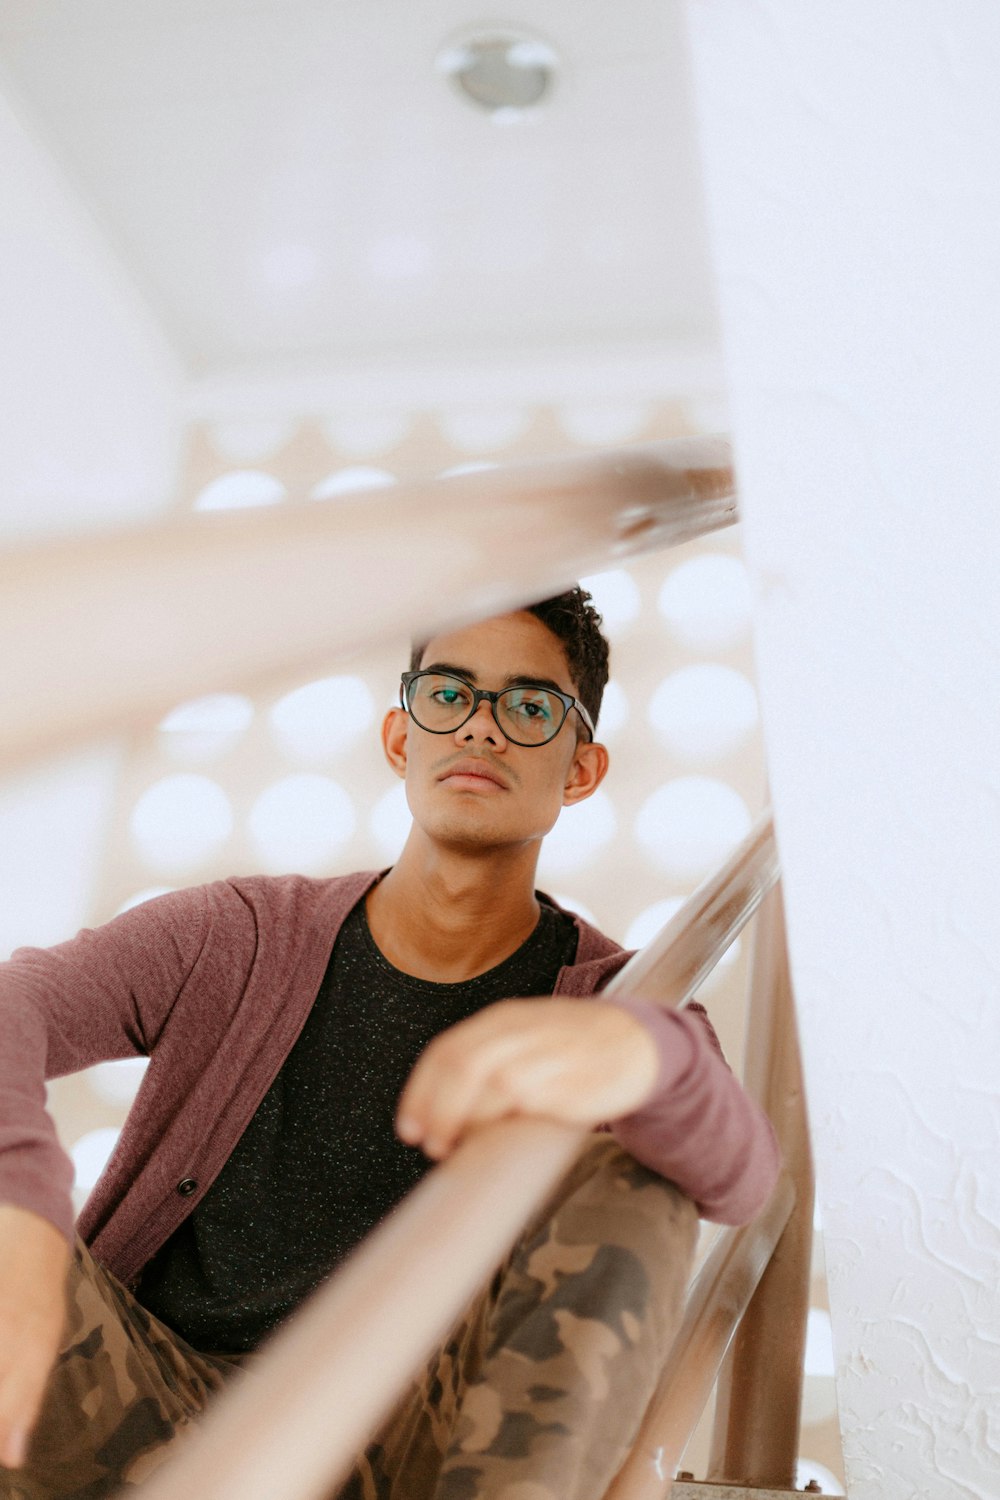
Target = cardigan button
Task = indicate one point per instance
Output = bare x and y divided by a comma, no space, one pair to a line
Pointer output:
187,1186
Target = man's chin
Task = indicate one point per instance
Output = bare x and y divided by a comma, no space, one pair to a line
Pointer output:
478,836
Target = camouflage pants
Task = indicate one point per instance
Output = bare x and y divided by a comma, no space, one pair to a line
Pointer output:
536,1395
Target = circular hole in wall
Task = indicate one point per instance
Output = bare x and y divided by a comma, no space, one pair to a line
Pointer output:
118,1082
616,595
689,826
250,439
301,823
703,713
241,490
148,893
614,711
602,424
483,429
706,602
390,823
322,718
90,1155
364,434
352,481
207,727
580,833
181,821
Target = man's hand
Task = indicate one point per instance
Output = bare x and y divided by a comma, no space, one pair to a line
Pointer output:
34,1258
578,1061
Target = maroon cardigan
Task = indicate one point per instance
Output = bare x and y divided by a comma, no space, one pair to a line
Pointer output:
214,984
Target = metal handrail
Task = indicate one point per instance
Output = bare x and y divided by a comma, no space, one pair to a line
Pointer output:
759,1401
366,1332
112,630
672,966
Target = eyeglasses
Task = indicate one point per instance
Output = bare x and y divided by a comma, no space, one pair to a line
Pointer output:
527,714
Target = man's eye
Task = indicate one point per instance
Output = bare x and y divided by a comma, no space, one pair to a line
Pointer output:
532,708
448,696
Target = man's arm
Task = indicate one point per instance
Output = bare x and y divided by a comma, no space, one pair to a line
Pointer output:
656,1075
699,1126
104,994
107,993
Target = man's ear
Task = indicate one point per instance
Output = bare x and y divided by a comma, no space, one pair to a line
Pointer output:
587,770
395,726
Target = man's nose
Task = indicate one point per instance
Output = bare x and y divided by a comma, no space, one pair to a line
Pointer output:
482,727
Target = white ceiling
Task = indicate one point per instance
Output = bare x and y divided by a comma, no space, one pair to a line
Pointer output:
290,181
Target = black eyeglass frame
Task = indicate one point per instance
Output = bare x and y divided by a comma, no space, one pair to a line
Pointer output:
480,694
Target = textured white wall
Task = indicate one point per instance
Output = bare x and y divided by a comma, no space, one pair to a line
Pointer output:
850,156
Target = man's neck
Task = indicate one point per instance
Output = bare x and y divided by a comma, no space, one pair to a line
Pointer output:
446,915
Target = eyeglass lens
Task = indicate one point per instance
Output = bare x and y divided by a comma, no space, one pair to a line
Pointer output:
530,715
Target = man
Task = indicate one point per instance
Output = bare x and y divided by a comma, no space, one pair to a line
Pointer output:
282,1018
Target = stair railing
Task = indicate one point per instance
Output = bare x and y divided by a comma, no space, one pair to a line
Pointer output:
759,1398
113,629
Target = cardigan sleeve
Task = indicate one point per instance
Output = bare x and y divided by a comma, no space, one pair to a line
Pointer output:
104,994
699,1127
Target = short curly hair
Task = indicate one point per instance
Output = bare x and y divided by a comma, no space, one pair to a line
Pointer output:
574,620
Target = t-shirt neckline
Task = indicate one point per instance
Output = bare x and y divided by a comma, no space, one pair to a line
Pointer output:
536,938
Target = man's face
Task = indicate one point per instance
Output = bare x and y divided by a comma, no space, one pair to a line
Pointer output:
472,787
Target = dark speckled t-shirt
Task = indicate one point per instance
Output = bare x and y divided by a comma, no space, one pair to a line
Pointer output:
319,1163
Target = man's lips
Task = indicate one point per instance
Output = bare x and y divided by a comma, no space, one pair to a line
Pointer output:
475,769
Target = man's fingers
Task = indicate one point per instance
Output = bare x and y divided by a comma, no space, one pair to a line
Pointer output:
509,1089
554,1058
450,1080
474,1074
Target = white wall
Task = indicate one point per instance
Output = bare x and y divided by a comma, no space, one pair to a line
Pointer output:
54,824
88,437
851,164
89,385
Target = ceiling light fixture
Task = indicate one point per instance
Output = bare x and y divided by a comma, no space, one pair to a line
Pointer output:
505,72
